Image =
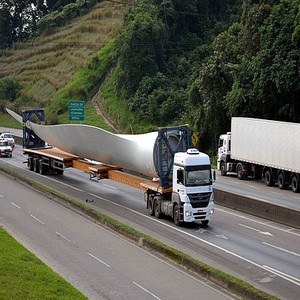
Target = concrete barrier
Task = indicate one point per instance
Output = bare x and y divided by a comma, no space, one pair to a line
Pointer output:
258,208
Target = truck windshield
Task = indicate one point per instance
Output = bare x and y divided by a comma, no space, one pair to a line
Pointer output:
198,176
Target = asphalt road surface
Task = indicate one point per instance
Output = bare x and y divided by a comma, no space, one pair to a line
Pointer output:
99,263
263,253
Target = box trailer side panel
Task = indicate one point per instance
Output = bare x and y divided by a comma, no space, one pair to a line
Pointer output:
265,142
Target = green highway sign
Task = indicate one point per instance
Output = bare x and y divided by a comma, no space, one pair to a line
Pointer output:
76,110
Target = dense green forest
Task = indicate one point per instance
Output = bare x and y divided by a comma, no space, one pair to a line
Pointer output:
198,62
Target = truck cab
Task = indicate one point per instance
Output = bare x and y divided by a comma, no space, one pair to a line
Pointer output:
224,151
192,186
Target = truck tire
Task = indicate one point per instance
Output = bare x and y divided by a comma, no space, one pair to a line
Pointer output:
150,206
269,178
30,163
176,215
295,184
223,168
204,223
36,165
239,171
156,207
42,168
281,181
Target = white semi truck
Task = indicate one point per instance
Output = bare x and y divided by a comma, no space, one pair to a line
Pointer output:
262,149
176,179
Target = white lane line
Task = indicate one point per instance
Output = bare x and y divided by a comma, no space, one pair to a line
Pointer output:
253,187
282,249
102,262
14,204
258,222
257,230
61,235
109,186
283,275
145,290
256,198
1,196
37,219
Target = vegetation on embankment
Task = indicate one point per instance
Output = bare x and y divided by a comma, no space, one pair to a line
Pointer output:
24,276
200,63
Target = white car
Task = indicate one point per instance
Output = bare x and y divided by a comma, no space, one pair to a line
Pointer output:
5,148
9,137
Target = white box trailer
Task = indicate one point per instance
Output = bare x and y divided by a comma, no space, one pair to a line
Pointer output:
262,148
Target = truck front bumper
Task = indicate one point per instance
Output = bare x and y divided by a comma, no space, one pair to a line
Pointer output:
191,214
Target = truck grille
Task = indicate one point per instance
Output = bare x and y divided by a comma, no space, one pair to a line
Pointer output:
199,199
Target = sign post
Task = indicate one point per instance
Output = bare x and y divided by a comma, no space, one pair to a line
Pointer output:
76,110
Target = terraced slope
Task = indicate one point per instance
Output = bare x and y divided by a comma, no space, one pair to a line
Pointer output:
44,64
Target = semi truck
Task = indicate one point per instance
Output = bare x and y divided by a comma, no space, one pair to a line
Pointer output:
181,187
262,149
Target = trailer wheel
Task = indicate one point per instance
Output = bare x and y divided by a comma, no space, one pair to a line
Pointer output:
269,178
36,165
30,163
150,206
295,184
176,215
156,207
42,168
281,181
223,168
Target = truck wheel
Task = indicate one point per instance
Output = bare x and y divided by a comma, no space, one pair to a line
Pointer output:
42,168
239,171
205,223
281,181
30,163
176,214
36,165
295,184
150,206
269,178
156,207
223,168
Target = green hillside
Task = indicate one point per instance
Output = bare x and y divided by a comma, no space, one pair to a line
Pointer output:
160,63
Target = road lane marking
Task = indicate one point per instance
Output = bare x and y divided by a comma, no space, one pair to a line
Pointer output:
37,219
15,205
253,187
1,196
282,249
257,230
109,186
145,290
258,222
256,198
283,275
61,235
102,262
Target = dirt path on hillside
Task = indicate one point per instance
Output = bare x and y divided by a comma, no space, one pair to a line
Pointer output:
95,101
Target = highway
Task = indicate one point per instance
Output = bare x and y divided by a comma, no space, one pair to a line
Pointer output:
261,252
99,263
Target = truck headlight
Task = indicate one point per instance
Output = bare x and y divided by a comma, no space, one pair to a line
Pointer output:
211,212
188,213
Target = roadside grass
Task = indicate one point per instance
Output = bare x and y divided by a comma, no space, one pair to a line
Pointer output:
24,276
7,121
